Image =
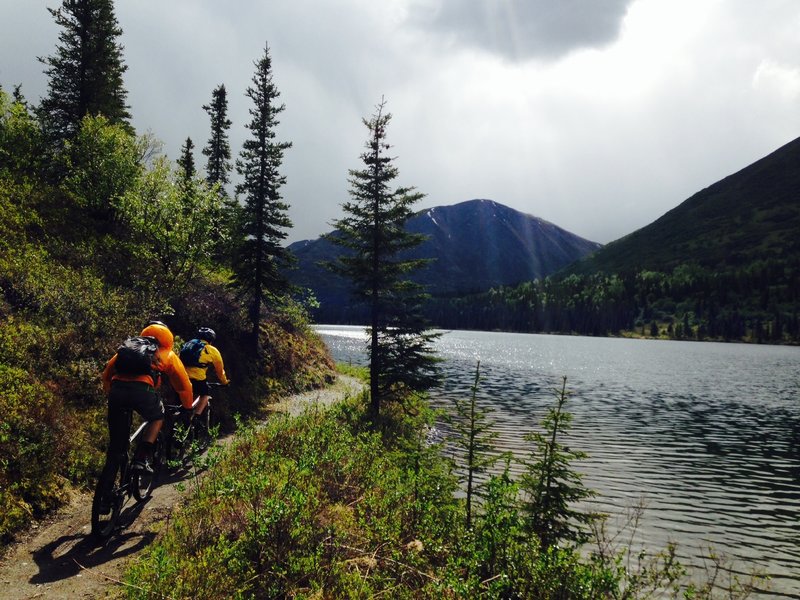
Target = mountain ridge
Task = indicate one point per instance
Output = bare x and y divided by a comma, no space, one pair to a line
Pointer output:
477,244
751,214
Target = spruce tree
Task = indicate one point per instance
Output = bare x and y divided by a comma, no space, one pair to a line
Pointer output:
186,162
262,259
218,150
551,485
474,437
18,96
85,73
374,235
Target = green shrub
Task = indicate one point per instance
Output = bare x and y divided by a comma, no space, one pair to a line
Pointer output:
33,435
301,505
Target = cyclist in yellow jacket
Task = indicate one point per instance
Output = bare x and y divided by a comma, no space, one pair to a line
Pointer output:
198,355
137,392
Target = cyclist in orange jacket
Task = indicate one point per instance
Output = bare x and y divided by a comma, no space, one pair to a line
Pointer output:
137,392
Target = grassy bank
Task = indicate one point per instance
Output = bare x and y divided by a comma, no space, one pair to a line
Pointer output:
326,506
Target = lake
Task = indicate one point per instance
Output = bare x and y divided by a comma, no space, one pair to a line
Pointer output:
706,434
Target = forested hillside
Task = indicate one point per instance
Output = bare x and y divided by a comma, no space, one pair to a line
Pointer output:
100,233
724,265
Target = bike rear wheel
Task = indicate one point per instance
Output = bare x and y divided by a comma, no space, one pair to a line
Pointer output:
104,522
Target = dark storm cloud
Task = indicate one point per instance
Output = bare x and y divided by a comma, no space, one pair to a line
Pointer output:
523,29
675,95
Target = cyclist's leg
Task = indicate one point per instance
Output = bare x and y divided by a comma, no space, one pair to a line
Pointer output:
200,389
201,405
151,433
150,407
118,432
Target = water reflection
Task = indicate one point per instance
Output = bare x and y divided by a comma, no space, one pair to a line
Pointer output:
708,434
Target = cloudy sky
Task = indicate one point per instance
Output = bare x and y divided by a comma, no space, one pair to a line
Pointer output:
596,115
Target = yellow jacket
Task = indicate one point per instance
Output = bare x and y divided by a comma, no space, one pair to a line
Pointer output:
209,357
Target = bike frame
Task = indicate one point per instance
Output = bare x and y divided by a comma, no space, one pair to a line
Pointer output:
138,432
180,448
127,484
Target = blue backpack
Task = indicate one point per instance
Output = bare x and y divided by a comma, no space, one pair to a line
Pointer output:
190,353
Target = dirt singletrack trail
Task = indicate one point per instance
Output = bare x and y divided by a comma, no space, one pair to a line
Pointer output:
58,558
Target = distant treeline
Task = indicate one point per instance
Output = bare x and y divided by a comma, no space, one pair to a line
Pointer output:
756,303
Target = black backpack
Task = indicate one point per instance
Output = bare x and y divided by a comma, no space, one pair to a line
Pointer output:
190,353
137,356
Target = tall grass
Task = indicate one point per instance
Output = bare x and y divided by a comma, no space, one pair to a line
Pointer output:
333,505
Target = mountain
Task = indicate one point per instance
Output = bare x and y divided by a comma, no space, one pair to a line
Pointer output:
752,215
476,245
722,265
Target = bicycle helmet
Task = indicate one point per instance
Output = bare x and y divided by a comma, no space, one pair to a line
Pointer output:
207,334
161,333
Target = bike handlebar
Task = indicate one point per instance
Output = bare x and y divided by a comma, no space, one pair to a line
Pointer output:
176,408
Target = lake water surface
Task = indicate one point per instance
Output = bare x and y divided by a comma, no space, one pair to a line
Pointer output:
707,434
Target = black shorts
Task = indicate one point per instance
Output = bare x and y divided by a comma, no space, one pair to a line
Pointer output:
129,396
200,388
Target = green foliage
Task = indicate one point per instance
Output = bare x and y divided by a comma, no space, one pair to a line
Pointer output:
356,371
300,507
20,139
33,436
294,357
373,235
101,165
14,219
757,302
171,222
325,506
99,235
186,162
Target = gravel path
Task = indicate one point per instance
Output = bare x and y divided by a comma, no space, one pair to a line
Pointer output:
57,558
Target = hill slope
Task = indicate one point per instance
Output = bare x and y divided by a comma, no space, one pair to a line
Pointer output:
476,245
723,265
751,215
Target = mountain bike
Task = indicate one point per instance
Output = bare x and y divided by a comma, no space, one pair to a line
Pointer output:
127,482
185,439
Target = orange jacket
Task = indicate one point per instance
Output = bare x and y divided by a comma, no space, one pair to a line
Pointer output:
169,364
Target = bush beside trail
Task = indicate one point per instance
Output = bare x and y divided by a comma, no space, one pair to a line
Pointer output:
82,267
331,504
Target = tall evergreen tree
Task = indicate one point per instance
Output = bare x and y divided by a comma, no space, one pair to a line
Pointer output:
85,73
218,150
186,161
262,258
401,358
